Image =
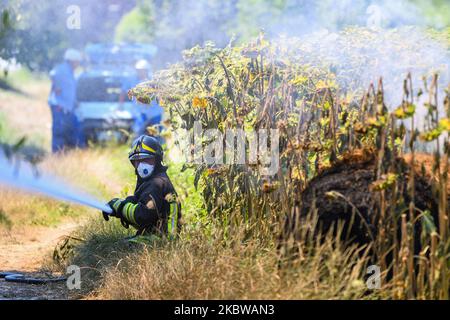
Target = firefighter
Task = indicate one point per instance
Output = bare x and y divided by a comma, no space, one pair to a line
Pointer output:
62,101
154,208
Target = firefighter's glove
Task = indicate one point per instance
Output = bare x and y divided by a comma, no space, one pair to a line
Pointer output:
116,206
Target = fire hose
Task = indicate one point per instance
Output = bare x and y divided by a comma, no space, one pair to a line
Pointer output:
21,278
27,179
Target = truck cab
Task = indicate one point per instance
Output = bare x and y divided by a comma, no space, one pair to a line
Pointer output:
101,116
98,111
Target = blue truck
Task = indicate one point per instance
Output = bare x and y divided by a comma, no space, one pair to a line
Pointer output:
100,114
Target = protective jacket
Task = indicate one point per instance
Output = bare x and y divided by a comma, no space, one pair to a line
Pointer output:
154,207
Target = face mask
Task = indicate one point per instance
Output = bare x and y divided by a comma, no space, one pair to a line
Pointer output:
145,170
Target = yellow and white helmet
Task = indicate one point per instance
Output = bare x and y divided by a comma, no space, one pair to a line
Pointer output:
145,147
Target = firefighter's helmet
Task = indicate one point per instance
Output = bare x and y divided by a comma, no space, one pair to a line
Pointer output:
145,147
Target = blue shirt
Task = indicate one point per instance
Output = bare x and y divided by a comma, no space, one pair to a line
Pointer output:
64,87
150,112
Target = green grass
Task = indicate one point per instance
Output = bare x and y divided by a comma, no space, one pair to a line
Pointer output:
5,131
193,208
22,77
48,213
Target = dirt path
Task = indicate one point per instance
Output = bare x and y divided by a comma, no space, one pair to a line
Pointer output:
26,252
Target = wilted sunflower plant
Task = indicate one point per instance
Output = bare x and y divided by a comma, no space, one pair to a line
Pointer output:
322,128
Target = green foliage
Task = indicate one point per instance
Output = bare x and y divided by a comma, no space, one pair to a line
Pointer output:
4,219
435,11
131,27
8,136
178,25
37,33
27,35
231,88
404,112
295,17
3,129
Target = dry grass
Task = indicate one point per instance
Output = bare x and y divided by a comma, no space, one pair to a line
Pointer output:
27,113
209,261
216,266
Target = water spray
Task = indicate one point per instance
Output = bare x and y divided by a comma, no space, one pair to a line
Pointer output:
23,176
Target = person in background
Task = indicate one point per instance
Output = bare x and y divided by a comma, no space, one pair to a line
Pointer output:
62,102
145,115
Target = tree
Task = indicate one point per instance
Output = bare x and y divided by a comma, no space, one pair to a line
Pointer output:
39,32
138,25
176,25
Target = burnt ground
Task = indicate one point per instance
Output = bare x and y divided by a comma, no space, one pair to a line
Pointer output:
353,179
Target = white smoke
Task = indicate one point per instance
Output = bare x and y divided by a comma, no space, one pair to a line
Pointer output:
360,56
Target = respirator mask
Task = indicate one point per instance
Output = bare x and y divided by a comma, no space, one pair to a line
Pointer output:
144,170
